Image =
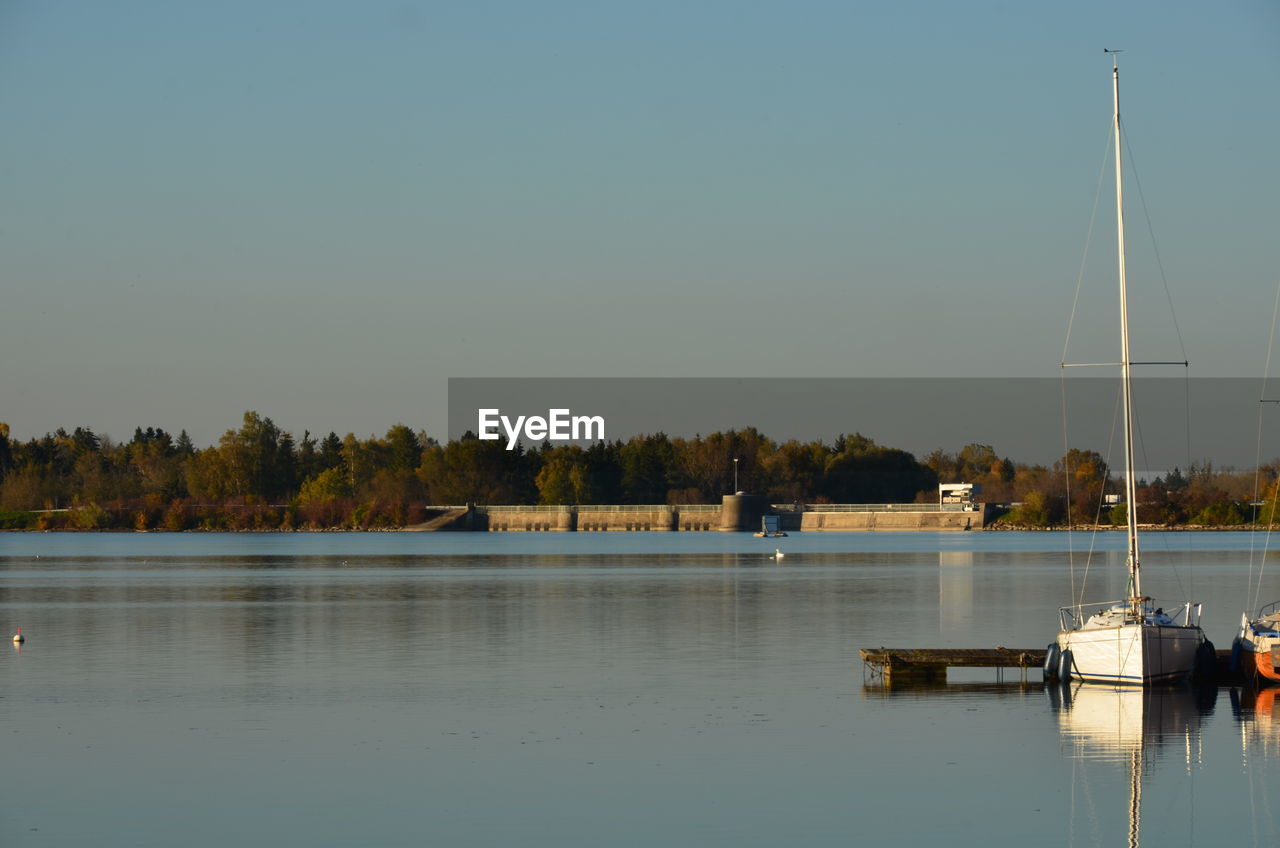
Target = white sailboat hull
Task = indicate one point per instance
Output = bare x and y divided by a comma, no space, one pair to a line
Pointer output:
1132,653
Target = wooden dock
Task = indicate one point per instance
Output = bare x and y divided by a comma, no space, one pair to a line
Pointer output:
929,665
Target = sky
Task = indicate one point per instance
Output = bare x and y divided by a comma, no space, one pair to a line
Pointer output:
323,210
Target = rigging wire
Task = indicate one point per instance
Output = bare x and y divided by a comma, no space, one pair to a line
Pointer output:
1066,344
1164,541
1256,591
1182,350
1078,599
1066,477
1088,238
1066,482
1111,444
1155,248
1186,429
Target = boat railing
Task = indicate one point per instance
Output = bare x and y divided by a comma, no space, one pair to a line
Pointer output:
1188,613
1073,617
1270,609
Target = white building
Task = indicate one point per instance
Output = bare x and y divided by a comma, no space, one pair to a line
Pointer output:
958,494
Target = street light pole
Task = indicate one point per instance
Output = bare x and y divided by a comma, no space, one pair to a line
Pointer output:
735,475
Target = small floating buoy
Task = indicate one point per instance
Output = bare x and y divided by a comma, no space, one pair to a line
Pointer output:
18,638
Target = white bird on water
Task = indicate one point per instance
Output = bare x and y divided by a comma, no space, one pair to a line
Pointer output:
778,554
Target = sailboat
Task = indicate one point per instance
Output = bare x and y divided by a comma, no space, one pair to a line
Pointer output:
1255,652
1130,641
1256,649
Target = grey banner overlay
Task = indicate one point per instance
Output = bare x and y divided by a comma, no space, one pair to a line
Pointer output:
1178,420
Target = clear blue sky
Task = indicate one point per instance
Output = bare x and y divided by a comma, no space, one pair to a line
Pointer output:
323,210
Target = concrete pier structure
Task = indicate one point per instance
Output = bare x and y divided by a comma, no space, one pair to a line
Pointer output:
895,519
743,512
736,513
607,518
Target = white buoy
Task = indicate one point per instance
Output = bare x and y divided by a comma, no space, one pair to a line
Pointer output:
18,638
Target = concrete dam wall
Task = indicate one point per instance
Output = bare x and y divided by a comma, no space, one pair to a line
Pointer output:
736,513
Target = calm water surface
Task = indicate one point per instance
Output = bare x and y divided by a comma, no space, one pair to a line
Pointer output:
600,689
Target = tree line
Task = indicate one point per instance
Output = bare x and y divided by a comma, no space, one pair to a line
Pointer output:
259,477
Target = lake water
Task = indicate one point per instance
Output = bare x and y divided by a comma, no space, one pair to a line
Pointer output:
601,689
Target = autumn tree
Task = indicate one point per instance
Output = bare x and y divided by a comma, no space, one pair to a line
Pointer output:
1086,480
794,472
256,460
565,477
472,470
860,471
647,463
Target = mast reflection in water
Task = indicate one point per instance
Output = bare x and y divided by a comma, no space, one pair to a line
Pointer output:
1130,727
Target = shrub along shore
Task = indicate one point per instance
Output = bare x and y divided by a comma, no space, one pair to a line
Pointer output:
258,477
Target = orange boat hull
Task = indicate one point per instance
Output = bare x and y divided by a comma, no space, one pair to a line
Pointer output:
1259,661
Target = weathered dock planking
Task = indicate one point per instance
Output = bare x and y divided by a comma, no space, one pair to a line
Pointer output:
931,664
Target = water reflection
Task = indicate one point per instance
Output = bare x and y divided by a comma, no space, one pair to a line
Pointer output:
955,590
1131,728
625,697
967,690
1257,714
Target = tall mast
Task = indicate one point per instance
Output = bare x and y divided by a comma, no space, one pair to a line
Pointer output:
1131,495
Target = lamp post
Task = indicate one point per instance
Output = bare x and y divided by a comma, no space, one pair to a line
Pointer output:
735,475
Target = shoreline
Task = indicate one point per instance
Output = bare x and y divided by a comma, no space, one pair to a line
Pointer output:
996,528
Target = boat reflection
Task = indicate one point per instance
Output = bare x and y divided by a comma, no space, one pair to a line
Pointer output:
1257,710
1131,727
1257,714
923,690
